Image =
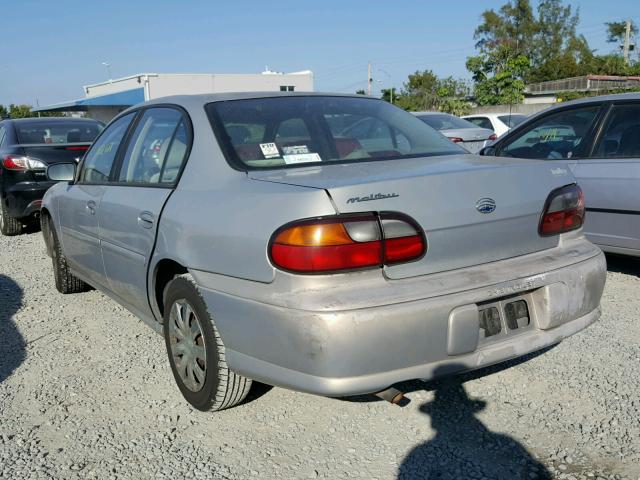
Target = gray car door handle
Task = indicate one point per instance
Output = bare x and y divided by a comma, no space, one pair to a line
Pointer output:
145,220
91,207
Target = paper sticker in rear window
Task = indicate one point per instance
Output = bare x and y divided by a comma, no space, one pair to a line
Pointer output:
301,158
295,149
269,150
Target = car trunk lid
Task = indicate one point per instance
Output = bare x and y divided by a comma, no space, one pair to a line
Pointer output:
56,153
450,197
473,139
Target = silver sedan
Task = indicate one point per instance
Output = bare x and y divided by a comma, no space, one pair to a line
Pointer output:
458,130
329,244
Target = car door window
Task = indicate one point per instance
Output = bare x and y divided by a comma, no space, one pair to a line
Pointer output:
175,155
559,135
482,122
97,164
621,135
147,150
1,135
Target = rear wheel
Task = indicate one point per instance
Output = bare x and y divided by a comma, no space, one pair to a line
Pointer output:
196,352
9,226
66,282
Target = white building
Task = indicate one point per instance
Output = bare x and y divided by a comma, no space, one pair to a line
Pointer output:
105,100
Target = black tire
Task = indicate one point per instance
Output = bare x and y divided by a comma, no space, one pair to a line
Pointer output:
221,388
9,226
66,282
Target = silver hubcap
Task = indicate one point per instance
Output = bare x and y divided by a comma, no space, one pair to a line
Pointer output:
187,345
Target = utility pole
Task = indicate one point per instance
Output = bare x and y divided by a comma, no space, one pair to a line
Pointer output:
625,48
369,80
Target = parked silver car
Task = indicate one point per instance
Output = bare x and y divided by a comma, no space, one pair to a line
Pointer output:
460,131
598,140
266,243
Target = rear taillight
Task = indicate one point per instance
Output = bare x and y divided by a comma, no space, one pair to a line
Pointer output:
563,211
493,136
346,242
22,163
78,148
456,139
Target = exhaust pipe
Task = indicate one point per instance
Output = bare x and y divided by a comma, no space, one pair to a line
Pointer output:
393,395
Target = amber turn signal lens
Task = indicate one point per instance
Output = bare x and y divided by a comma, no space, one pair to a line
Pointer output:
314,235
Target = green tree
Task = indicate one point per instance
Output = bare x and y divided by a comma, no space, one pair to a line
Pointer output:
498,77
360,92
4,113
20,111
386,94
425,91
616,31
546,36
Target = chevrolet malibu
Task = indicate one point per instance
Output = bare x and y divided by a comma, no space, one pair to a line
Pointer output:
267,240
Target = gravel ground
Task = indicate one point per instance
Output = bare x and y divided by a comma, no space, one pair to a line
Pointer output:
86,392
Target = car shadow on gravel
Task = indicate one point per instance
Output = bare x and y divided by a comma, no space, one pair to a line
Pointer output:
12,345
463,447
623,264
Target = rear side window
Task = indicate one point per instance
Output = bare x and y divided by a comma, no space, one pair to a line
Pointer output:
512,120
621,137
97,165
175,155
482,122
150,146
289,131
59,131
2,133
559,135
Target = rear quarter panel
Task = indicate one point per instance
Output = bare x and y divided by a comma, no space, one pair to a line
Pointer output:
220,221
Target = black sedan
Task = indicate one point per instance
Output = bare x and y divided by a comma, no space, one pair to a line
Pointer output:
27,147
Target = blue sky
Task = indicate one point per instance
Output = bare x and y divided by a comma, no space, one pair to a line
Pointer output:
53,48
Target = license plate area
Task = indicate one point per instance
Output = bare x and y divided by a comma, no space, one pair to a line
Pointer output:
505,317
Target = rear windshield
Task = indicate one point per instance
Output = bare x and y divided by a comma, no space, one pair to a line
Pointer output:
443,121
512,120
57,132
287,131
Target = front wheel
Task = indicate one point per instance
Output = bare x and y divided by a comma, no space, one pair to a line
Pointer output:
196,352
9,226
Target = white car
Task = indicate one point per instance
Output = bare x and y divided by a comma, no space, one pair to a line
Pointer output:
498,122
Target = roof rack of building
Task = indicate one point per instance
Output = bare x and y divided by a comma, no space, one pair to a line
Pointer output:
584,83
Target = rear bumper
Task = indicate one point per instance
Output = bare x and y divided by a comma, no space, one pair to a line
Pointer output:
351,334
23,199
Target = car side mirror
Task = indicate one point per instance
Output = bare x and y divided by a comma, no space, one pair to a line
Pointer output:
488,151
61,172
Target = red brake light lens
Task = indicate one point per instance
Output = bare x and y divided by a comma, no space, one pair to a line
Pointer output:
346,242
456,139
563,212
22,163
493,136
15,163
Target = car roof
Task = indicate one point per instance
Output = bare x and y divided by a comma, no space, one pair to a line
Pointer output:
431,113
50,119
204,98
604,98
